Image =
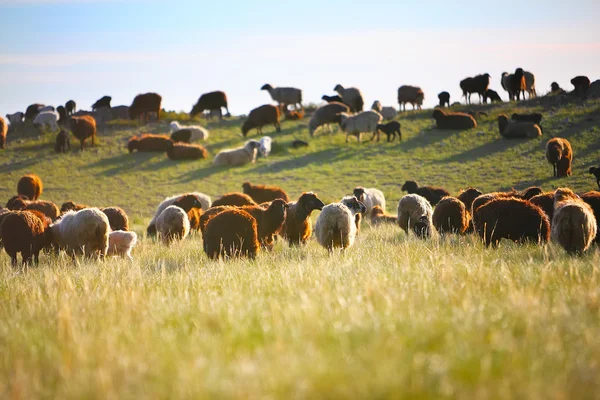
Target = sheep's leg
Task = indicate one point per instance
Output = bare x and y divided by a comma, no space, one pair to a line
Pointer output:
373,137
346,137
81,144
554,172
399,135
278,127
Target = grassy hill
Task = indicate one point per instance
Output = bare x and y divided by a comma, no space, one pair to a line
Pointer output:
393,317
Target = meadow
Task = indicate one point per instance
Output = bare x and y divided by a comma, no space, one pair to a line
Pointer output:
393,317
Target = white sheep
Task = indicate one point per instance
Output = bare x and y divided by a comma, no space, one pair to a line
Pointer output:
387,113
82,232
204,199
370,197
573,224
365,121
198,132
172,224
285,96
352,97
120,243
335,227
238,156
15,119
415,214
47,118
265,146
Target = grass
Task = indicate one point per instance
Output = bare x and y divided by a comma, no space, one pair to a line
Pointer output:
394,317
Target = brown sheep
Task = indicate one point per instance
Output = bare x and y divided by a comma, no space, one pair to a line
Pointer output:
592,198
453,120
194,215
31,186
560,154
23,232
294,115
511,218
231,233
187,201
451,216
102,102
62,142
431,193
545,201
143,105
84,127
530,192
574,226
208,214
468,196
514,129
581,84
261,116
211,101
269,221
117,218
410,94
379,217
185,151
297,227
3,132
486,198
234,199
264,193
149,142
72,206
48,208
478,84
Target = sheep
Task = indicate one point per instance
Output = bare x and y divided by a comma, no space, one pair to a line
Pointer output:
238,156
3,132
264,193
410,94
144,104
285,96
102,102
325,115
560,154
211,101
370,197
297,227
556,89
581,85
467,196
486,198
294,115
529,84
512,129
390,129
545,201
377,106
47,208
181,136
431,193
265,146
185,151
415,214
32,111
204,201
84,127
348,201
211,212
492,95
30,185
197,132
335,227
261,116
172,224
444,98
593,92
70,107
23,232
120,243
530,192
149,142
596,172
478,84
117,218
15,119
574,225
62,115
355,125
296,144
194,214
231,233
82,232
453,120
62,142
514,84
592,198
451,216
234,199
388,113
332,99
47,119
511,218
352,97
379,217
269,220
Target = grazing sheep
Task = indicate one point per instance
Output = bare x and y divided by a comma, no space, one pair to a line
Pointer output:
30,185
117,218
264,193
325,115
268,220
352,97
149,142
453,120
261,116
451,216
574,226
84,127
234,199
185,151
335,227
365,121
32,111
511,218
144,104
492,95
211,101
296,144
545,201
204,200
415,214
238,156
410,94
197,132
390,129
231,233
71,206
47,208
332,99
23,232
3,132
15,119
82,232
592,198
444,98
478,84
172,224
486,198
285,96
431,193
297,227
120,243
596,172
294,115
47,119
62,142
370,197
265,146
560,154
512,129
102,102
581,85
379,217
529,84
70,107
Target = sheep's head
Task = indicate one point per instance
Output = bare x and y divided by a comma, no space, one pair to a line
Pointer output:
309,202
68,206
376,106
410,187
438,114
354,205
502,123
246,187
359,193
278,206
246,126
266,87
486,75
187,202
422,228
339,89
530,192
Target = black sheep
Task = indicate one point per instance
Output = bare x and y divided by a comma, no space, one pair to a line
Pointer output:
181,136
596,172
390,129
492,95
444,98
536,118
102,102
478,84
70,107
62,142
211,101
581,84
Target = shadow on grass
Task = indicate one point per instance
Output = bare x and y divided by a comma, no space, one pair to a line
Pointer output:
485,150
123,162
315,158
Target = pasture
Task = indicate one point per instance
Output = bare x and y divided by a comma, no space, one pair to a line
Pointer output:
393,317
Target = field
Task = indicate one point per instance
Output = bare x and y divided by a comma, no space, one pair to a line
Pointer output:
393,317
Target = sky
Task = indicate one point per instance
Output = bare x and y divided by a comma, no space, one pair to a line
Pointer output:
55,50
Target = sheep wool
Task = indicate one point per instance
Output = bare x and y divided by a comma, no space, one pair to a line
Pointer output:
82,232
172,224
325,115
231,233
574,225
238,156
411,208
336,227
204,199
365,121
120,243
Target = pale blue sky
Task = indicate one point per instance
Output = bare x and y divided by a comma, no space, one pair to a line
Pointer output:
55,50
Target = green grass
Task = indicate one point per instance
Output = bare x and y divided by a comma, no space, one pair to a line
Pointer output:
394,317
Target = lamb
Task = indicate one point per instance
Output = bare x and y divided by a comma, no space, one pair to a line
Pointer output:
415,214
379,217
581,85
410,94
172,224
560,154
82,232
370,197
231,233
23,232
185,151
197,132
211,101
238,156
444,98
478,84
285,96
47,119
120,243
84,127
3,132
390,129
15,119
297,227
492,95
62,142
204,201
261,116
117,218
352,97
512,129
596,172
453,120
102,102
70,107
325,115
30,185
332,99
335,227
234,199
545,201
365,121
511,218
144,104
148,142
451,216
431,193
574,225
265,146
592,198
32,111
